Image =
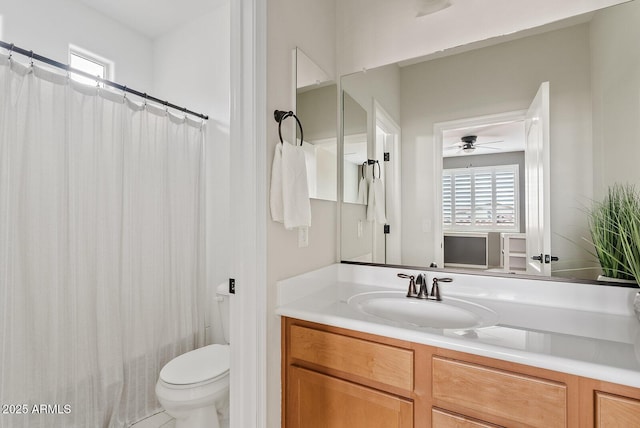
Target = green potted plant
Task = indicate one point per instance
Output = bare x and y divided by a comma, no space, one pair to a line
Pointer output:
614,224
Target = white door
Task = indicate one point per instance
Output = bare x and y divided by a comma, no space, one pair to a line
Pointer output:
536,158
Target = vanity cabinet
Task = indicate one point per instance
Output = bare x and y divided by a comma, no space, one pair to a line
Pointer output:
335,378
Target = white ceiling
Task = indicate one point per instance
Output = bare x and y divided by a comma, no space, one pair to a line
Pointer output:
492,139
153,18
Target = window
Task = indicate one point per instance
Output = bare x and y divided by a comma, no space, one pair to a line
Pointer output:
83,60
481,199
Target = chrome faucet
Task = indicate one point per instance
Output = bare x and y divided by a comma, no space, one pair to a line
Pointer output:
424,291
421,282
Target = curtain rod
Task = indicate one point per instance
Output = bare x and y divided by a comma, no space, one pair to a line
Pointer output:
34,56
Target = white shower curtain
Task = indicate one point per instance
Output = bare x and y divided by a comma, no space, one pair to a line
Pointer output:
101,250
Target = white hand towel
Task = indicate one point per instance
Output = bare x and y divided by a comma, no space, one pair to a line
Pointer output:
295,191
275,200
376,206
363,198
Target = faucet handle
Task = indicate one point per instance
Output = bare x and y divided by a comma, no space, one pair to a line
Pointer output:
411,292
435,289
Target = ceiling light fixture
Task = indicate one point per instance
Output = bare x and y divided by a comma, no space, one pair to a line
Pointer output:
427,7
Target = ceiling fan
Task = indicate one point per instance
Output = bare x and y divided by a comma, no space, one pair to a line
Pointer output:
468,144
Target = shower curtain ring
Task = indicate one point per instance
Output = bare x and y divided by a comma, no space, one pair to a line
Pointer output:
11,51
31,56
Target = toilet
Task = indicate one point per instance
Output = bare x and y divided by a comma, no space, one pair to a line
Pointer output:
193,388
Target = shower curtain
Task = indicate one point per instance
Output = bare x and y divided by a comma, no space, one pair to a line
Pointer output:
101,249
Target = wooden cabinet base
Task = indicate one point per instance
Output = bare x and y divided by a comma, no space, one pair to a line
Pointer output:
338,378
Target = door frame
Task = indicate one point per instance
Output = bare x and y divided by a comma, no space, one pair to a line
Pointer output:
438,129
248,209
393,248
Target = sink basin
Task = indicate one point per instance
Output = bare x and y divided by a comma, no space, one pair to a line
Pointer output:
450,313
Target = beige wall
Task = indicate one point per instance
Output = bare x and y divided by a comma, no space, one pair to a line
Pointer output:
309,25
318,109
615,35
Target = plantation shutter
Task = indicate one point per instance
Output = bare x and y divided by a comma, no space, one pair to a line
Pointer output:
446,200
481,198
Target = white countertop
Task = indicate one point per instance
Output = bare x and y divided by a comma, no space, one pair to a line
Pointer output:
582,329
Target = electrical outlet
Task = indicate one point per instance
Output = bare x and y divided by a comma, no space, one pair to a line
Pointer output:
303,237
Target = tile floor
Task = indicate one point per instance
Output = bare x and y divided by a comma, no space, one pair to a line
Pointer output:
162,420
159,420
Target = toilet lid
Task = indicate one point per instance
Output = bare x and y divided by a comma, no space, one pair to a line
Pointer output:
197,366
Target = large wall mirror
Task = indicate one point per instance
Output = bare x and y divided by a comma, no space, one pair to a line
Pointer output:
316,107
497,151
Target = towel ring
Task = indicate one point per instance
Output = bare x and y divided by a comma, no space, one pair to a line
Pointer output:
375,162
280,116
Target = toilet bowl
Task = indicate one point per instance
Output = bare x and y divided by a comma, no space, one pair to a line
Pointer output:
194,387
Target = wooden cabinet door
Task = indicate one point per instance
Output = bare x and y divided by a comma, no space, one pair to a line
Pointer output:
613,411
316,400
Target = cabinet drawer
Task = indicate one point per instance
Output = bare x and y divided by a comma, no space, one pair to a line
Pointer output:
320,401
373,361
616,411
442,419
520,399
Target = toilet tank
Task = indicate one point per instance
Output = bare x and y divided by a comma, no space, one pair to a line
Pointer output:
222,296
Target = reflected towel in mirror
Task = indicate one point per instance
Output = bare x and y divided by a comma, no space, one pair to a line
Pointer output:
376,205
363,197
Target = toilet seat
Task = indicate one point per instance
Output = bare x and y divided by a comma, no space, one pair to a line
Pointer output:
202,365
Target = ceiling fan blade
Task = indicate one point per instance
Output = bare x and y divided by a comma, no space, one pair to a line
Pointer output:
489,142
